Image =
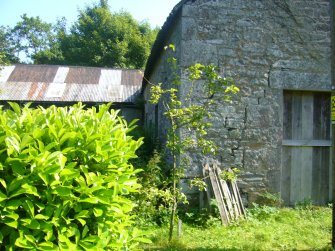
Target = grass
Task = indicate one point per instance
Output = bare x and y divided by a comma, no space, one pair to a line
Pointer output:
266,228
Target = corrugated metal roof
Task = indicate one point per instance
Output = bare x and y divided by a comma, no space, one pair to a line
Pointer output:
69,84
30,73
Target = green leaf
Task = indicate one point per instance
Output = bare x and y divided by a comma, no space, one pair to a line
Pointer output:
51,146
16,108
2,197
69,174
13,145
38,133
29,189
17,165
143,240
82,222
44,177
47,246
13,204
26,140
30,223
91,239
82,214
29,207
11,215
97,212
3,183
67,136
92,200
41,217
85,231
62,191
22,242
11,223
30,238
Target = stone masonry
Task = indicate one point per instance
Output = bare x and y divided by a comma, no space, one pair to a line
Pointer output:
266,47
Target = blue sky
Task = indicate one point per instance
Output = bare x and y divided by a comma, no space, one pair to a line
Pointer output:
154,11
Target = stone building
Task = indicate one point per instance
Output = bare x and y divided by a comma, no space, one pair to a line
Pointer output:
277,130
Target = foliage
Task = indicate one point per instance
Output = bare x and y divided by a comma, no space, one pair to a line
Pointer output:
154,196
285,229
53,54
191,114
66,179
271,199
261,212
230,174
202,217
98,38
102,38
7,53
30,35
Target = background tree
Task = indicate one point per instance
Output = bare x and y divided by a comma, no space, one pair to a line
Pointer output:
102,38
53,53
7,54
98,38
30,36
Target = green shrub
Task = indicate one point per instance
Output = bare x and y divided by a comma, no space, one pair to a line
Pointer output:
66,179
154,197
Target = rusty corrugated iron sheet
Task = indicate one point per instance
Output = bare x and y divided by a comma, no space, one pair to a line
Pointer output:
131,76
81,75
31,73
69,84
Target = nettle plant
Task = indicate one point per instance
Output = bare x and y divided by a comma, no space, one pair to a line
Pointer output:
66,178
191,114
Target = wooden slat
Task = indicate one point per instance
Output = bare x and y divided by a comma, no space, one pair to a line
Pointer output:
207,182
321,116
218,196
296,117
295,175
325,187
321,173
307,103
301,142
287,123
236,197
285,187
240,200
331,175
226,194
316,180
306,152
306,173
232,194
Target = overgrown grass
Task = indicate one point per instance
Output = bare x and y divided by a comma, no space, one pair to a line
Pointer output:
266,228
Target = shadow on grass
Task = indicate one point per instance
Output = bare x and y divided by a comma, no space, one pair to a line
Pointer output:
225,249
190,249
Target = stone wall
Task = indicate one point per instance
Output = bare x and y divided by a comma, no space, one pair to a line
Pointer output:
266,47
155,122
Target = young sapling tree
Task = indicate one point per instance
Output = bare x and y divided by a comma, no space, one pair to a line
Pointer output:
205,89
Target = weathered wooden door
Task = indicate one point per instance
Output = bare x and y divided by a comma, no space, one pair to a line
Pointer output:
306,147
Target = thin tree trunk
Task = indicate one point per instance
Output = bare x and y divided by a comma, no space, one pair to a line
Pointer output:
174,194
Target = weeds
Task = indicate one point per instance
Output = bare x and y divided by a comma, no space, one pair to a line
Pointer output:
266,228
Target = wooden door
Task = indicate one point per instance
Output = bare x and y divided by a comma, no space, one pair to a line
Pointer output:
306,148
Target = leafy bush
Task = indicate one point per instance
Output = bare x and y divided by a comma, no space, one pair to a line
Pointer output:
261,212
66,179
155,196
